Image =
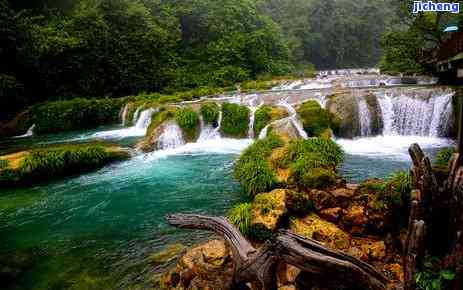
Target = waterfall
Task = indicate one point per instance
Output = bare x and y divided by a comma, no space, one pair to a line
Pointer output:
207,131
264,132
29,133
413,113
219,120
123,114
293,118
253,110
171,138
364,117
145,118
135,115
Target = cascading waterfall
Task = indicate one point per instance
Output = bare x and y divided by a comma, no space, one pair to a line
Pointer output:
364,117
171,138
208,132
415,114
144,119
294,119
219,120
263,133
253,108
135,115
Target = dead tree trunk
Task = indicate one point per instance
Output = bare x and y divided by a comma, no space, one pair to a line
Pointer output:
260,265
440,206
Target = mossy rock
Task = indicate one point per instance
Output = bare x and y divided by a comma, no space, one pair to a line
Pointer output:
316,120
188,120
375,113
345,108
268,210
210,113
164,115
235,120
312,226
267,114
318,178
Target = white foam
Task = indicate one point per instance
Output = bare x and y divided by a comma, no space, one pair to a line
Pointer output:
390,147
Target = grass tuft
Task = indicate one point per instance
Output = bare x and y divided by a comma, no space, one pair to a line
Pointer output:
240,216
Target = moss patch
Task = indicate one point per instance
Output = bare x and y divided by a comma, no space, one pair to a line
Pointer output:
188,120
210,113
164,114
317,120
265,115
235,120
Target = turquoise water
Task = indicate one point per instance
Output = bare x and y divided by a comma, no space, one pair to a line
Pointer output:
96,231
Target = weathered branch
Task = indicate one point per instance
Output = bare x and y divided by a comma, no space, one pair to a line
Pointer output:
260,266
415,248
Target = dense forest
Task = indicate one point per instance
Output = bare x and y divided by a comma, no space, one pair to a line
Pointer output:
95,48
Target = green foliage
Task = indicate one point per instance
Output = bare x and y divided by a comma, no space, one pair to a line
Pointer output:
188,120
210,112
398,187
240,216
443,157
327,151
252,169
319,178
65,160
315,119
235,120
262,118
75,114
431,276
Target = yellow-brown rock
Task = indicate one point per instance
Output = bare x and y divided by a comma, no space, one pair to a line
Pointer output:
323,231
268,208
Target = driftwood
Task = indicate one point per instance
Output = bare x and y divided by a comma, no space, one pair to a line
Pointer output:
260,265
439,207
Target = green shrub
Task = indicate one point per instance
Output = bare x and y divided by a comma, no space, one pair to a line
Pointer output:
327,150
431,276
188,120
262,118
252,169
316,120
75,114
45,164
235,120
398,186
210,112
319,178
443,157
240,216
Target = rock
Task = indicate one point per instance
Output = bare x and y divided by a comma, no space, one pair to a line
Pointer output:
285,128
352,186
287,287
166,254
343,193
355,217
321,199
268,208
367,249
375,113
331,214
394,272
323,231
287,274
345,107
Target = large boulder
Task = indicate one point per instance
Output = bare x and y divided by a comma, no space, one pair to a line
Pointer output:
375,113
207,266
312,226
268,209
345,107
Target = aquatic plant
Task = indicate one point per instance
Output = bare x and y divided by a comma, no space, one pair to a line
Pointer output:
240,216
316,120
188,120
210,113
443,157
252,169
235,120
